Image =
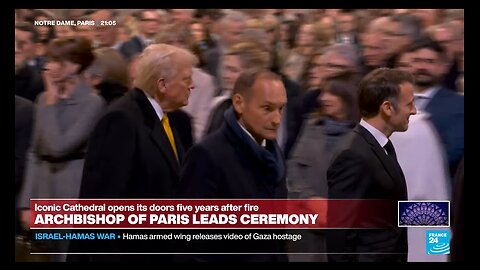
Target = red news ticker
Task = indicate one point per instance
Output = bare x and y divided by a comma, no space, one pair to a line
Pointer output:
211,214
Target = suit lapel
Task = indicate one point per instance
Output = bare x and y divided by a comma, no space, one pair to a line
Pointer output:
178,144
160,138
157,133
381,155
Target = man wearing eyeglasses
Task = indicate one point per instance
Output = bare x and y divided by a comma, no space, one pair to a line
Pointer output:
401,31
445,107
149,23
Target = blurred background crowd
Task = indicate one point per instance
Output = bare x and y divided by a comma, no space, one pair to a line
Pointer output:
320,55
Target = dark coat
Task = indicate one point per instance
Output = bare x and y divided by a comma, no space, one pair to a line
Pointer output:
225,165
129,156
362,170
111,90
447,113
28,83
132,47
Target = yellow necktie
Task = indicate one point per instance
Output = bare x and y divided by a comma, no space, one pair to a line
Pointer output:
168,130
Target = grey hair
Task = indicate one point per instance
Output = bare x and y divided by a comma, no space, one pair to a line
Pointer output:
409,25
347,51
159,61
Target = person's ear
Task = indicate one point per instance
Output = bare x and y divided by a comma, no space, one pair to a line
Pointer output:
238,103
386,108
162,85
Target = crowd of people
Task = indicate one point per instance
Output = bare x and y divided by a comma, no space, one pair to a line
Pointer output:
247,103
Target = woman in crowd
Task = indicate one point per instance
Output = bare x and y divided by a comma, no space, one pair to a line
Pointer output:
307,167
66,113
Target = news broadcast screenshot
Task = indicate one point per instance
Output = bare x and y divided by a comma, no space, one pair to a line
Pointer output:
239,135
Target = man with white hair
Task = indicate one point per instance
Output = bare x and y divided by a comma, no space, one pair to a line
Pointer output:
148,27
134,152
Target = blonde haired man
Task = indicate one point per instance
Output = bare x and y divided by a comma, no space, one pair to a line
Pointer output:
134,151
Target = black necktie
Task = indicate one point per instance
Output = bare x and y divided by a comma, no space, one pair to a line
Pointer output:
390,150
393,157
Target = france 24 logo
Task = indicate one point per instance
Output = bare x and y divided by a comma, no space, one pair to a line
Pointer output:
438,242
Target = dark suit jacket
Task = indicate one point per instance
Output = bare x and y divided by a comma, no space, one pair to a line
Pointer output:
132,47
362,170
222,166
211,58
216,116
111,90
182,123
447,113
28,83
450,79
129,156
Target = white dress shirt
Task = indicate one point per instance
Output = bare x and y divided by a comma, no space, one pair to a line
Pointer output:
379,136
264,142
156,107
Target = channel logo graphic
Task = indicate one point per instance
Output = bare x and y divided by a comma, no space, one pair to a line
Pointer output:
423,213
438,242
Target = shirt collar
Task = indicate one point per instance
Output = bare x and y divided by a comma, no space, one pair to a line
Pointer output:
156,106
428,93
264,142
379,136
